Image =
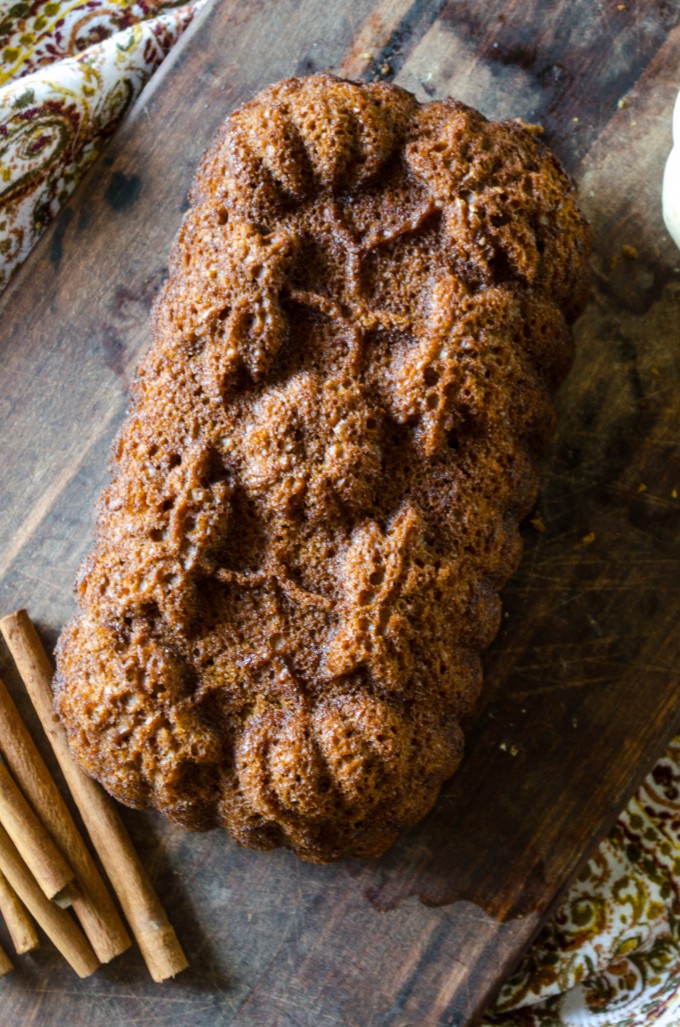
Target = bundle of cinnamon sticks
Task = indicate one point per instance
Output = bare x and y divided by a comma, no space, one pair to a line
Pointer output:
45,866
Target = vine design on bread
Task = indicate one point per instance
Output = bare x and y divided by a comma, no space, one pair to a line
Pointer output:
318,487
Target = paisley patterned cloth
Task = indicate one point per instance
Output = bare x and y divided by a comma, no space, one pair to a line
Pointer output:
610,957
68,73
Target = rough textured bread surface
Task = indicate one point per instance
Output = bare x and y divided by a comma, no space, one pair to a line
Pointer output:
317,490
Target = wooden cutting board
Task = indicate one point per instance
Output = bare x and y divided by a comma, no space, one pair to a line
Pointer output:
581,693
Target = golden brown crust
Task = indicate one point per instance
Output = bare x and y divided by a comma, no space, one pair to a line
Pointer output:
318,487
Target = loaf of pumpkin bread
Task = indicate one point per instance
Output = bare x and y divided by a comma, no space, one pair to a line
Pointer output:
317,491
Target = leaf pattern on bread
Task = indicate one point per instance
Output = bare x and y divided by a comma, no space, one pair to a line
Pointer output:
317,492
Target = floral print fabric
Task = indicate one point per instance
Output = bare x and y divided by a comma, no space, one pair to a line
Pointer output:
69,71
610,957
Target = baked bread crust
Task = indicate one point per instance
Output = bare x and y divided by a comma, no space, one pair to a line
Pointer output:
318,487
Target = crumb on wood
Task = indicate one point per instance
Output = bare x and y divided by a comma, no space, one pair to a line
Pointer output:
536,522
642,487
627,251
674,493
588,539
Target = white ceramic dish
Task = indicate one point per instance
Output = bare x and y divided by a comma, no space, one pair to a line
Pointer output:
671,181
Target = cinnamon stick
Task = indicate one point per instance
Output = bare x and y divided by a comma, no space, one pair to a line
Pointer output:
5,963
154,933
35,846
91,902
19,924
55,921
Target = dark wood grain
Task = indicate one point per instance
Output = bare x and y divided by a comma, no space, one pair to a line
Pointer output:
580,696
